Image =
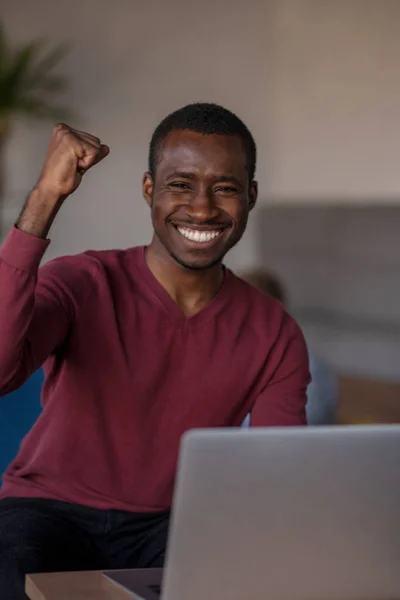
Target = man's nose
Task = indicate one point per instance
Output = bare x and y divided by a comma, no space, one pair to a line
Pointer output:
202,207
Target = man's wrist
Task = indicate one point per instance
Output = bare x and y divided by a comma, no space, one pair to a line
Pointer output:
39,212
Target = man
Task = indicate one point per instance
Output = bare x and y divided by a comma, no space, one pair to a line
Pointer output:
138,346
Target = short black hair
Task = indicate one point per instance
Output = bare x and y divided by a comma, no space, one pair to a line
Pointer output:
206,118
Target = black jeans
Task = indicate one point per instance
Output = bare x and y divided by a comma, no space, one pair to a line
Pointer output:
38,535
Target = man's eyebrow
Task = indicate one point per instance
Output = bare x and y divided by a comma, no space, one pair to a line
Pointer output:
218,179
181,174
229,179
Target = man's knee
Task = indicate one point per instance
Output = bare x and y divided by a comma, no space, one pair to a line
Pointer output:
18,555
22,529
37,536
33,539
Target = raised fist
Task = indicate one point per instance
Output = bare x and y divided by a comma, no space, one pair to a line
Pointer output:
70,154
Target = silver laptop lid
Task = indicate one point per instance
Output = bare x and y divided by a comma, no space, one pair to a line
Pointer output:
299,514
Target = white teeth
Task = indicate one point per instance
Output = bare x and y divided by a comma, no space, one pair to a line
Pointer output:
195,235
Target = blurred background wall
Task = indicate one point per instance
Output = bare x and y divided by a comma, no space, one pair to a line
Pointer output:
316,81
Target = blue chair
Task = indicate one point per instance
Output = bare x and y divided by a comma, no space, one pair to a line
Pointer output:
18,412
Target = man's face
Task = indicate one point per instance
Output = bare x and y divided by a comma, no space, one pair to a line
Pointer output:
200,197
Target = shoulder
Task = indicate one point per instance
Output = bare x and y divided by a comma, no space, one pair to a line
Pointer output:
274,335
82,272
264,311
271,330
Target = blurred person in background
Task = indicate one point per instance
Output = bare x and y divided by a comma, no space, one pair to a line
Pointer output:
138,346
323,390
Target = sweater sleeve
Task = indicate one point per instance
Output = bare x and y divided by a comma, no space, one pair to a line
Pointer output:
33,319
283,401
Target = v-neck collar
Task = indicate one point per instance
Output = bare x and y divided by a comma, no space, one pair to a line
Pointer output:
211,310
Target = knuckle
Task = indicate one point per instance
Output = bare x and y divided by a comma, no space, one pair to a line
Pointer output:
59,127
70,139
88,147
94,138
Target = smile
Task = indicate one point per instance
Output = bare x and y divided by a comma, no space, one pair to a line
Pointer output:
194,235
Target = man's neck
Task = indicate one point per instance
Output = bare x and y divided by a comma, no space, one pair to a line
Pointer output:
190,289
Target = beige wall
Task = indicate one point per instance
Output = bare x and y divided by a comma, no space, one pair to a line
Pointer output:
316,80
334,100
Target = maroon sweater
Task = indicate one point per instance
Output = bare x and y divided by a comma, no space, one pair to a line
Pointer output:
127,373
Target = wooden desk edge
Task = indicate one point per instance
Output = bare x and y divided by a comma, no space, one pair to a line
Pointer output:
74,585
31,590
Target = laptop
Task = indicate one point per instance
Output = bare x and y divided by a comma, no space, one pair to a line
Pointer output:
282,514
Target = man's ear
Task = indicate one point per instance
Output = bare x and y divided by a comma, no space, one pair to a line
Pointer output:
253,193
148,187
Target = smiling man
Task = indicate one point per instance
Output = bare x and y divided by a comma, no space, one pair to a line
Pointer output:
138,346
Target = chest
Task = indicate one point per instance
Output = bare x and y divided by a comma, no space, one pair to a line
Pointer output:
208,372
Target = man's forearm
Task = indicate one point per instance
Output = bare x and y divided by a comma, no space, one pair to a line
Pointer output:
39,212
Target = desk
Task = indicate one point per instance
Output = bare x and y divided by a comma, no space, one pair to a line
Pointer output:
84,585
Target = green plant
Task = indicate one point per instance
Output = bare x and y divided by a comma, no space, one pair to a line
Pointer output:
28,88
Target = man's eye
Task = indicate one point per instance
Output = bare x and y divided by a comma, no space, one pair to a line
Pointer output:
180,185
227,189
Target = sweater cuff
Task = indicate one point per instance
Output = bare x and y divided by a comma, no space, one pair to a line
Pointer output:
23,251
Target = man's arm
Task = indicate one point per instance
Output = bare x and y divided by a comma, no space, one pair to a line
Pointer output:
283,401
32,323
34,316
